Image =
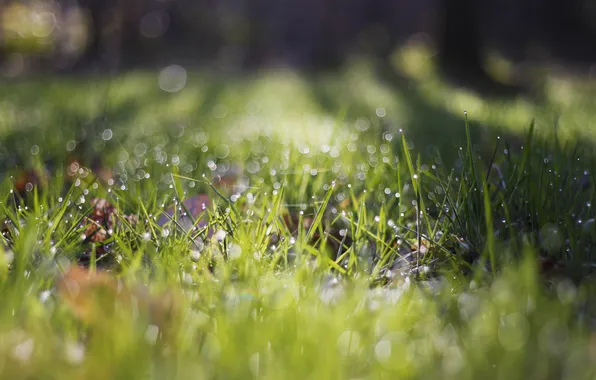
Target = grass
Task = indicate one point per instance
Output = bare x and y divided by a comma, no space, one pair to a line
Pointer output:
342,236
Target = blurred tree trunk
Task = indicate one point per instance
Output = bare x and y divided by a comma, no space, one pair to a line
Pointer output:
460,42
93,52
461,45
569,30
113,29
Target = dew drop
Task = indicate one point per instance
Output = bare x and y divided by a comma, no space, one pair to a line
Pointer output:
107,135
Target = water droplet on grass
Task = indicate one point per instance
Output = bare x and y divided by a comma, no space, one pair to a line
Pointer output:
107,135
220,235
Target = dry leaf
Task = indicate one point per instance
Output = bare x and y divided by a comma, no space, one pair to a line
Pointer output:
97,298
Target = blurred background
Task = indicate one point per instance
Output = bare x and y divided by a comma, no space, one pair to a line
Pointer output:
295,67
71,36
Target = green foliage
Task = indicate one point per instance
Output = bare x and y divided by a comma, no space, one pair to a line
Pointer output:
341,248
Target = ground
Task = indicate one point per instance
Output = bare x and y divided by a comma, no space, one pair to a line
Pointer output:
360,224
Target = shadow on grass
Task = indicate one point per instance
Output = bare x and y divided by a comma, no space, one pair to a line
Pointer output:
91,117
429,127
432,114
54,111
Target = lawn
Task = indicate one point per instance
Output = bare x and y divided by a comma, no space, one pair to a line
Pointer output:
190,224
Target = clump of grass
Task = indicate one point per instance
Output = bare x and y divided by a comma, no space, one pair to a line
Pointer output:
294,324
347,259
539,193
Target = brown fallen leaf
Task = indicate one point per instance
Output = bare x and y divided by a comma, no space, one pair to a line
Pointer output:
100,223
551,268
97,298
101,220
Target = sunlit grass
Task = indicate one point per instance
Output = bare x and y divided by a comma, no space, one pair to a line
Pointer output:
337,243
298,325
567,100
